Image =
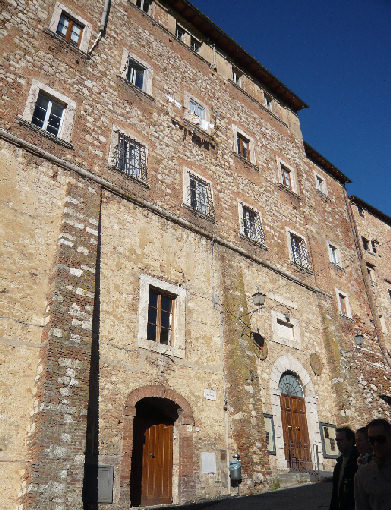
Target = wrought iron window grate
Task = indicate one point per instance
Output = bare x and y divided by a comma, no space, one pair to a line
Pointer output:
252,226
200,196
131,158
299,252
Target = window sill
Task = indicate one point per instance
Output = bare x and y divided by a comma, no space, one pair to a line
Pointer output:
136,90
337,266
254,242
209,217
289,190
66,44
129,177
323,195
257,102
245,161
350,319
165,350
301,268
196,131
43,133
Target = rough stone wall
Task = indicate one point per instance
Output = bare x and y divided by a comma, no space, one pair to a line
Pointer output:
219,277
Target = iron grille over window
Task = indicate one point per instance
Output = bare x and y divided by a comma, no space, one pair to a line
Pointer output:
200,196
131,158
252,226
299,251
160,316
69,29
48,114
136,74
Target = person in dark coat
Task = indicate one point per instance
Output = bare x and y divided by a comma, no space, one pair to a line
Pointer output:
343,476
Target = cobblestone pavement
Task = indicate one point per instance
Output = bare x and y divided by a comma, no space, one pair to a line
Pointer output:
307,497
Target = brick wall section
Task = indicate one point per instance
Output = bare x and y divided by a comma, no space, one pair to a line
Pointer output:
54,476
243,395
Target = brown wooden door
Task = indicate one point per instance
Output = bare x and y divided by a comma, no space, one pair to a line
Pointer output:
296,438
156,480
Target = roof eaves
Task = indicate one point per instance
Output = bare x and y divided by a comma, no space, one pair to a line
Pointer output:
320,160
225,42
364,205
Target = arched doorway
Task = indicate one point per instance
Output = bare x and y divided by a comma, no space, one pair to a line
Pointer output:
152,459
158,417
294,423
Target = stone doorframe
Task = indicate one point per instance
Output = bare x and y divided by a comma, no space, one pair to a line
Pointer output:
291,364
184,431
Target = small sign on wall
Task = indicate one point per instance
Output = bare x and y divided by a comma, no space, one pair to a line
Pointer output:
210,394
208,462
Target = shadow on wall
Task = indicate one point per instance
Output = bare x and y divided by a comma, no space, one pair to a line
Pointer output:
90,482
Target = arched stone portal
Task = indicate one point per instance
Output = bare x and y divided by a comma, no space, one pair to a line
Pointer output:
171,410
289,364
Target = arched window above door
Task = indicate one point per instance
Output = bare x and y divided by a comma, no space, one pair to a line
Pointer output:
290,385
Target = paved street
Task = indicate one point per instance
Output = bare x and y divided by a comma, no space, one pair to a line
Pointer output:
307,497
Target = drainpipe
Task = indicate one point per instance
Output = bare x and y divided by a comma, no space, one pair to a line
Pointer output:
102,26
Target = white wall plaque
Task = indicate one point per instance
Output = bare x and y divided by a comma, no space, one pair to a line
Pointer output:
208,462
210,394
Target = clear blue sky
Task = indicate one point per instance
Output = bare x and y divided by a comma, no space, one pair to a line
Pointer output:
336,56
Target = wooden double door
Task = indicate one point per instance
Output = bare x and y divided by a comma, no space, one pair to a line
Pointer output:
296,438
152,460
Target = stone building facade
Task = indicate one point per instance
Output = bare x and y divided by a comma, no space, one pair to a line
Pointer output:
154,179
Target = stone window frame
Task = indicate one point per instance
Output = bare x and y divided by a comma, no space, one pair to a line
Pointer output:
294,343
348,309
112,158
204,124
251,144
337,251
87,27
128,55
187,172
67,120
293,175
241,205
321,189
178,346
289,233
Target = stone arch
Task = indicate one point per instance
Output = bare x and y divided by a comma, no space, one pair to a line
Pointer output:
288,363
184,430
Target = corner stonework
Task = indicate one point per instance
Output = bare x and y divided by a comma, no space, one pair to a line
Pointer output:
55,470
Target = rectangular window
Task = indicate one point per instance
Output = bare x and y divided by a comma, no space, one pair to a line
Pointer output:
371,272
195,44
200,196
268,102
131,158
365,243
389,293
160,316
196,109
243,146
180,33
374,246
342,304
299,251
69,29
285,329
320,186
252,226
286,177
48,114
136,74
144,5
236,76
334,255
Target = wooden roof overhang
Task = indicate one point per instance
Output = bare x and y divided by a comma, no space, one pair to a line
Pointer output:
240,56
321,161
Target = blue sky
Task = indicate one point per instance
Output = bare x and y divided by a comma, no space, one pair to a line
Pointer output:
336,56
